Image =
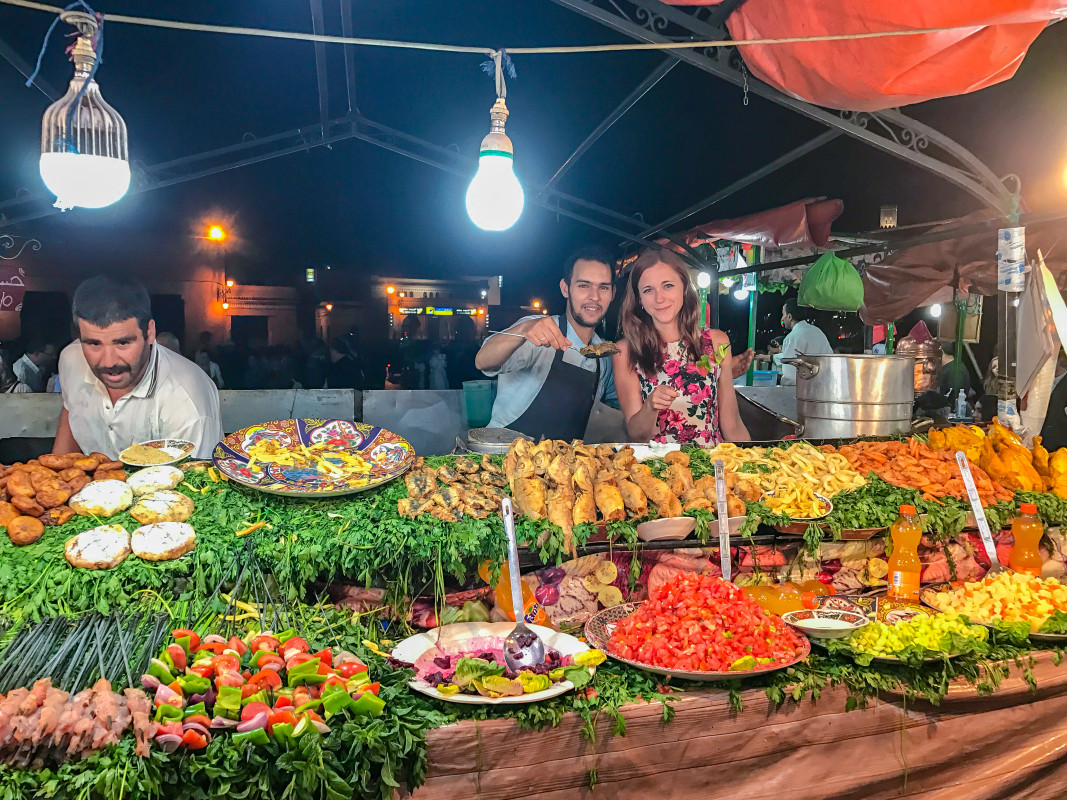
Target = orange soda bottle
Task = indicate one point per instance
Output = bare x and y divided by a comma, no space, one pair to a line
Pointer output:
533,612
1027,530
904,566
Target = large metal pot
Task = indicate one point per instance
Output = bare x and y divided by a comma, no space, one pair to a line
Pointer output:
843,396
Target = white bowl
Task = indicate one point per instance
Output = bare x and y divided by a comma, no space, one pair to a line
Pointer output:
666,528
176,449
817,622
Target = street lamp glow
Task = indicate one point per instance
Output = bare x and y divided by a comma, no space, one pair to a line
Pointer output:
216,233
935,310
495,197
225,306
703,279
536,303
329,306
741,294
229,283
390,290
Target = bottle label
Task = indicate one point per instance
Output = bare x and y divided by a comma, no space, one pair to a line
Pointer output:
904,585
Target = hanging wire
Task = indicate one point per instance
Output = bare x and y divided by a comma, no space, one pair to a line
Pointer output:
447,48
499,63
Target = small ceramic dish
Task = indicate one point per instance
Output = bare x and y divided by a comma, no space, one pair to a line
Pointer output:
819,623
666,528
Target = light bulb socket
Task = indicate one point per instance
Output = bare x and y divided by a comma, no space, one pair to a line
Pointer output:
496,141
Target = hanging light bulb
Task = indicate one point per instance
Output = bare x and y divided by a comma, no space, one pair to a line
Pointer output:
935,310
703,279
495,198
741,294
84,153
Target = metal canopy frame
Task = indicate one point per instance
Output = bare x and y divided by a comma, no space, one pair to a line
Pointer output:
642,20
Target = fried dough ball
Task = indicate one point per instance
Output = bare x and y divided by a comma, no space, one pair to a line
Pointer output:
41,480
24,530
20,484
53,496
57,516
109,475
56,462
27,505
73,472
7,513
86,464
77,483
111,466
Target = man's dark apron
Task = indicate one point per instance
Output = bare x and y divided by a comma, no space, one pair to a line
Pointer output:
561,409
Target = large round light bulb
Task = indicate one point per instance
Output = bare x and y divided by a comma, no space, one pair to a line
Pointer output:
703,280
495,198
741,294
84,181
935,310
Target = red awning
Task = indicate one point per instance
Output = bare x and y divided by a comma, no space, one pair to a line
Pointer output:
874,74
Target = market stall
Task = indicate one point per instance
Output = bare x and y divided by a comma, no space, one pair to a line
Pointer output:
258,626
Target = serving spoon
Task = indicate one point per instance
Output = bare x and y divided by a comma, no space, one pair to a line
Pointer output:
522,648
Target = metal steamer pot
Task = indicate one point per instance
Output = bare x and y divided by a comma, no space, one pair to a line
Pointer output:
844,396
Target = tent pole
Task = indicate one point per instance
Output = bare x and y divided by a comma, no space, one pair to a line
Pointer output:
753,296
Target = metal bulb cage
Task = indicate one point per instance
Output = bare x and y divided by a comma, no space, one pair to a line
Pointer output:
81,122
95,127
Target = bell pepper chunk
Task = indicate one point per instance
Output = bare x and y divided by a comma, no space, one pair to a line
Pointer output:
257,737
282,731
369,705
335,702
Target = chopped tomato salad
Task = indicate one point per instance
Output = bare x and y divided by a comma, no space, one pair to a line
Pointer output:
697,623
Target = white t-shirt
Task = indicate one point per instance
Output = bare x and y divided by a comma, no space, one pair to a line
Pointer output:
174,399
805,339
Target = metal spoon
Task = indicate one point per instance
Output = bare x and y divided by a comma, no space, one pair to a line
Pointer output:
577,350
522,647
995,567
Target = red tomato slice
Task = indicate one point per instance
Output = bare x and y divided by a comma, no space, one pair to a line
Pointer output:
264,642
229,679
203,669
250,711
237,645
177,655
350,668
286,717
212,647
197,718
373,688
267,679
325,656
194,637
227,662
264,657
283,702
194,740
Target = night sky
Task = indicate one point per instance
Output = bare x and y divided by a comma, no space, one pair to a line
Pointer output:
368,211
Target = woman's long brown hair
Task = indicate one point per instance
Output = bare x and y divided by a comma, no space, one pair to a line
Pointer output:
646,345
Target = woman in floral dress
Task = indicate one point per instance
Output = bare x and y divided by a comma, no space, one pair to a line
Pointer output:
668,373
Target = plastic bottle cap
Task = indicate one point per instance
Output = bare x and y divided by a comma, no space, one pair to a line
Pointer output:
908,511
1028,508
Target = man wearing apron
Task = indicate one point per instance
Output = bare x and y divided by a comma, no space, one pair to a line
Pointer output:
545,387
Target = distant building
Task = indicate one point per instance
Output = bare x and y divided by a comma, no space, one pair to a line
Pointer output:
418,308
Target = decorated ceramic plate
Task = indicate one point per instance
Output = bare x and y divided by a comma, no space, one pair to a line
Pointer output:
464,638
599,628
313,457
928,596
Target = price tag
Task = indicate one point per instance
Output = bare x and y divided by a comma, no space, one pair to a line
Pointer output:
723,519
979,512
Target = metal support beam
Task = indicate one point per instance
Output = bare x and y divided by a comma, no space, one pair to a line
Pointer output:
748,180
318,27
18,62
628,102
891,132
350,56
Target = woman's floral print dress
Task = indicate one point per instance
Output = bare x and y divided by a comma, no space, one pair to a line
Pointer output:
693,418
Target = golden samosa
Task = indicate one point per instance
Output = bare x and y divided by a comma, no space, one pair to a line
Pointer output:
584,508
561,513
609,499
632,496
559,470
666,501
582,478
529,494
679,478
624,458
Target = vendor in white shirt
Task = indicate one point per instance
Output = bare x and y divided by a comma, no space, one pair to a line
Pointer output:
803,338
119,387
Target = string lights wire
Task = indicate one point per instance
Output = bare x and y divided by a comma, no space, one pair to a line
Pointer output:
487,51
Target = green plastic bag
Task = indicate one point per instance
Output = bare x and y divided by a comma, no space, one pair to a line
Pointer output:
832,284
